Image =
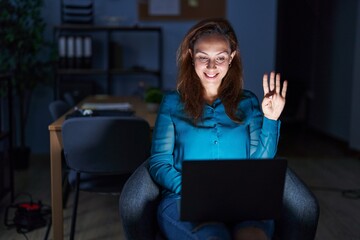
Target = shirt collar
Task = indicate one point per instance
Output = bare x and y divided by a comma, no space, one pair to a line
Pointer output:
216,103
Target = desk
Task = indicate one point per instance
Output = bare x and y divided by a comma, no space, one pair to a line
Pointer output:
55,153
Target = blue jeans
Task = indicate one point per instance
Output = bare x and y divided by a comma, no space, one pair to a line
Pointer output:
171,226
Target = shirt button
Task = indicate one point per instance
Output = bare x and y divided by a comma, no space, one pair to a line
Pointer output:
215,142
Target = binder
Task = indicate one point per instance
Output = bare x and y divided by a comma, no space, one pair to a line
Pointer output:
87,60
70,51
79,52
62,52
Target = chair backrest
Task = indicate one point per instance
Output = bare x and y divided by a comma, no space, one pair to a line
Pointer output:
69,98
57,108
105,145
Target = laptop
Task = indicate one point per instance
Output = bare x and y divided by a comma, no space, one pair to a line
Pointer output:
232,190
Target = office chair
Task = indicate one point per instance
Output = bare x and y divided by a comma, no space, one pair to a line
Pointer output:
102,152
58,108
69,99
140,196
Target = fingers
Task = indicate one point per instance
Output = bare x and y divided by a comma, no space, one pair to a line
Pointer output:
277,83
265,84
284,89
272,82
273,85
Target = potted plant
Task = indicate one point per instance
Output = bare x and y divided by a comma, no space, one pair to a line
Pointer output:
23,50
153,97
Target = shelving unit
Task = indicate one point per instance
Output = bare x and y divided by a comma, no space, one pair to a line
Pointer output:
107,71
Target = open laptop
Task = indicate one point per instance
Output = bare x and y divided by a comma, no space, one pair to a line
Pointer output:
232,190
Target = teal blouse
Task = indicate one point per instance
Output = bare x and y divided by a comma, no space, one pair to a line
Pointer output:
176,138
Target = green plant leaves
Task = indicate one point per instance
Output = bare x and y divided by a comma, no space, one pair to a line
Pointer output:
22,43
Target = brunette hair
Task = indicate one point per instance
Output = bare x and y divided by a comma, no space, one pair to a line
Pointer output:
188,82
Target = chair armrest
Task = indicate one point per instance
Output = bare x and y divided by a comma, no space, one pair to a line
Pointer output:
138,204
300,210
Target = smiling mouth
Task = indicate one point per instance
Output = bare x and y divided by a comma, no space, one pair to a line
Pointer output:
211,75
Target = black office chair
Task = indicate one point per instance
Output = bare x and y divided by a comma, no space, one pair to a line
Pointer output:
69,99
140,197
102,152
58,108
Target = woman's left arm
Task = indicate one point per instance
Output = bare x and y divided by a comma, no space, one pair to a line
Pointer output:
265,127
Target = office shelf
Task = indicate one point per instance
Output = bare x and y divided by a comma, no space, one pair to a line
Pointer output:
108,71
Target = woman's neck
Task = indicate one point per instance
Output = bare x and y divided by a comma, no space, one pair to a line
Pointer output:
210,97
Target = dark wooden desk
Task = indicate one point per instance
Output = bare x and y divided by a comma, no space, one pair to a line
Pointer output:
55,153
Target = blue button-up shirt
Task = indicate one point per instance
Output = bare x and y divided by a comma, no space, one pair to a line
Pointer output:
215,136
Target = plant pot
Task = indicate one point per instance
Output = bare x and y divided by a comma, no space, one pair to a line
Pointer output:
21,158
152,107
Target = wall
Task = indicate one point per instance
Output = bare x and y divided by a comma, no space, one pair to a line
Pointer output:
354,130
332,81
318,51
254,22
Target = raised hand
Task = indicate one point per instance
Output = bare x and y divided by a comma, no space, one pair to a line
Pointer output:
274,100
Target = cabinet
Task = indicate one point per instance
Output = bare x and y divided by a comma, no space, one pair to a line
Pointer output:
109,36
6,164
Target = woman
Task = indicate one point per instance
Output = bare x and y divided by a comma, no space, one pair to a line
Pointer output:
211,116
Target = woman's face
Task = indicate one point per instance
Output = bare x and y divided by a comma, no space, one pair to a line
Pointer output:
212,57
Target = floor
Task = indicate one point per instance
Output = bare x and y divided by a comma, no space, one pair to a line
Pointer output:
325,164
332,173
98,216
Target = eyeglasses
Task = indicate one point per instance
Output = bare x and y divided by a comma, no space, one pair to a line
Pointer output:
218,60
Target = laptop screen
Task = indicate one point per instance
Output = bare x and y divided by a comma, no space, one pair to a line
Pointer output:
232,190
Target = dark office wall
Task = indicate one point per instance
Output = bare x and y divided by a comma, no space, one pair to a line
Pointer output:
333,69
355,93
254,22
315,50
294,50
